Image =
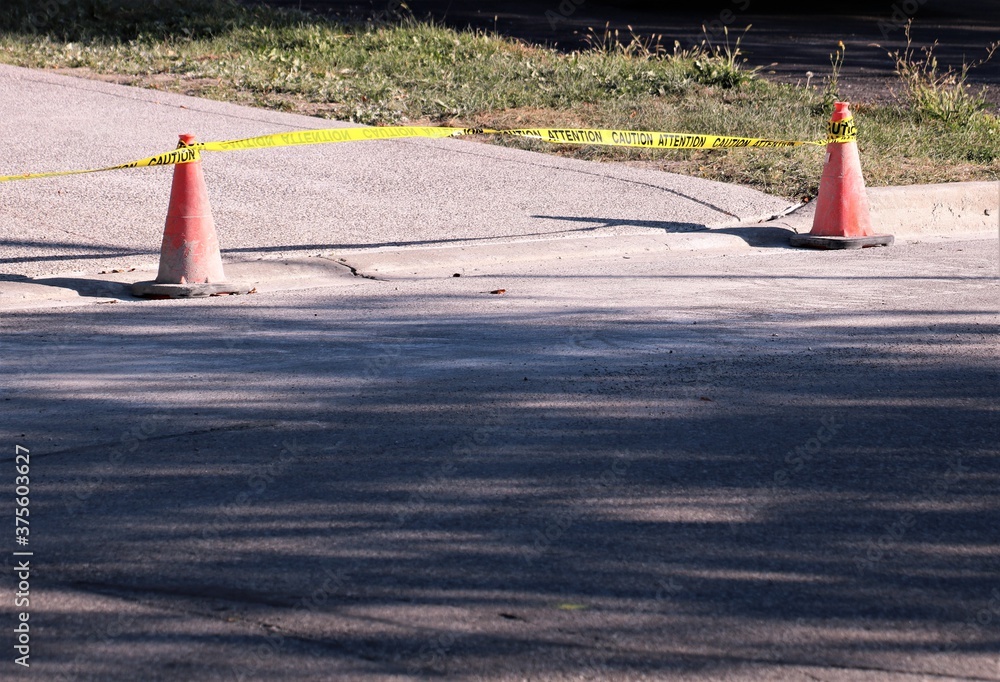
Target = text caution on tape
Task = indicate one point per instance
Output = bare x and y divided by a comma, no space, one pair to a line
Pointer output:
837,133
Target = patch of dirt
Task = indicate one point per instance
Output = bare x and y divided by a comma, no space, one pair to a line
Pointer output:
158,81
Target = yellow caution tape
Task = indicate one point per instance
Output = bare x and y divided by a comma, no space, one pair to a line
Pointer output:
842,131
846,130
646,139
328,136
180,155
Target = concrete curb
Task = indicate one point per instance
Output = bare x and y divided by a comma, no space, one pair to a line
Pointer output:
474,259
964,210
263,276
942,210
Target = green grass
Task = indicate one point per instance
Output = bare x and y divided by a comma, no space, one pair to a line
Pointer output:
936,92
407,71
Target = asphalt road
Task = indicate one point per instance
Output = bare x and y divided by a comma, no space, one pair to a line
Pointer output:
637,462
775,464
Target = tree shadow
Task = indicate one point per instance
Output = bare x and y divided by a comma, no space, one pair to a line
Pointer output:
84,287
80,251
123,20
763,236
432,495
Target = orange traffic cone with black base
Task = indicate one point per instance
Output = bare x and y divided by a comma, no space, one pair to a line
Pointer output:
190,261
842,219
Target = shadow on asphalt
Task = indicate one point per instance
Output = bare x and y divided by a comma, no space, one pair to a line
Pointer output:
98,252
754,235
85,288
79,252
668,226
442,462
761,236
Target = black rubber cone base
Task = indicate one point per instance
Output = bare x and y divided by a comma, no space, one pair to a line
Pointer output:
817,242
158,290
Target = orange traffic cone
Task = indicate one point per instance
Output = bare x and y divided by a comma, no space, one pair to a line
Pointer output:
190,262
842,219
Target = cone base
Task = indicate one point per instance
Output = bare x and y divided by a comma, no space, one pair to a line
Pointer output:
160,290
817,242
